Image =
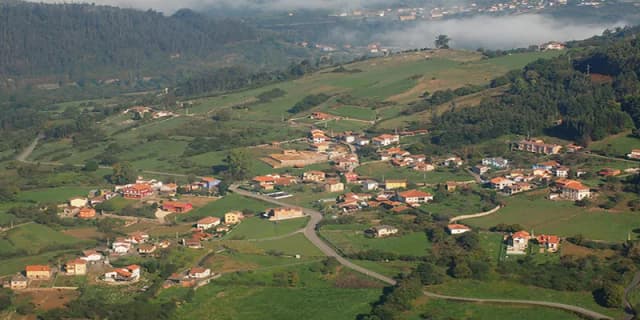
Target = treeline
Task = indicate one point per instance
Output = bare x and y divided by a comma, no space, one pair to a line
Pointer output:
439,97
239,77
73,39
561,95
309,102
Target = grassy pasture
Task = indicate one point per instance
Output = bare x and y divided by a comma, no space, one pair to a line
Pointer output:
221,206
58,194
353,240
384,170
257,228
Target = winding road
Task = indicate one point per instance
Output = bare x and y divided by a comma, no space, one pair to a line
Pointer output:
310,233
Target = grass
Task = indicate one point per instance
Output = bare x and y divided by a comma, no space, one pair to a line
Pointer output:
292,245
352,241
248,303
438,309
562,218
13,265
353,112
58,194
511,290
257,228
35,238
388,268
618,145
384,170
221,206
456,204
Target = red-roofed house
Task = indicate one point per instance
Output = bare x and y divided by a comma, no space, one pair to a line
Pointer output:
550,243
137,191
87,213
386,139
177,207
518,242
38,272
500,183
574,190
199,272
414,197
76,267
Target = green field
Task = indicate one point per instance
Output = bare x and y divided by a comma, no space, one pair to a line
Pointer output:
384,170
438,309
510,290
35,238
291,245
248,303
221,206
352,240
563,218
57,195
257,228
618,145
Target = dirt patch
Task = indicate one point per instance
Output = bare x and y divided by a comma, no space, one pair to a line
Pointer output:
198,202
85,233
51,299
570,249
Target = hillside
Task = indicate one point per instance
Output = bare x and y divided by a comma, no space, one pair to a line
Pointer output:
72,42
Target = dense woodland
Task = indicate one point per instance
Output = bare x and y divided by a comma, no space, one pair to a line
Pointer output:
583,96
97,41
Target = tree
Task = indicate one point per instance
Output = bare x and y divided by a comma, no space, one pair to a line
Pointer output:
123,173
238,163
429,274
90,166
611,295
442,41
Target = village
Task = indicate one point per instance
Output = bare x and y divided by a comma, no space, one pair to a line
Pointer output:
349,194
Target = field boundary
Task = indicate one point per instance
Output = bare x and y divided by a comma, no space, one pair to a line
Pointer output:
475,215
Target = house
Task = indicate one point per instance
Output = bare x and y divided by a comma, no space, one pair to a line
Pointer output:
457,228
313,176
147,248
223,228
318,136
386,140
548,242
361,142
500,183
322,116
137,191
573,148
383,231
86,213
170,188
177,207
199,273
277,214
451,186
395,184
518,242
120,246
480,169
78,202
573,190
91,256
137,237
516,188
320,147
333,186
537,146
547,165
76,267
193,243
346,163
210,182
38,272
17,282
414,197
635,154
269,182
561,172
348,137
207,223
369,185
129,273
423,167
498,162
164,244
452,161
233,217
609,172
351,177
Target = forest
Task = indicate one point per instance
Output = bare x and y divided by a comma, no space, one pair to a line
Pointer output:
582,96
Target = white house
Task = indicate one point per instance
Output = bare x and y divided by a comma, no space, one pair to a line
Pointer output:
91,256
78,202
207,223
457,228
413,197
384,140
383,231
129,273
120,246
498,162
199,273
370,185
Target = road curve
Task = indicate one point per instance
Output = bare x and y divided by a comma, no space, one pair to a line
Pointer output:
311,235
575,309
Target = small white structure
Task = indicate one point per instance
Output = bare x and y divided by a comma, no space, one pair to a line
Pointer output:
207,223
383,231
457,228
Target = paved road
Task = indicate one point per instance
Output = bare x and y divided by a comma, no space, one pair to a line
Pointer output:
630,312
579,310
310,233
